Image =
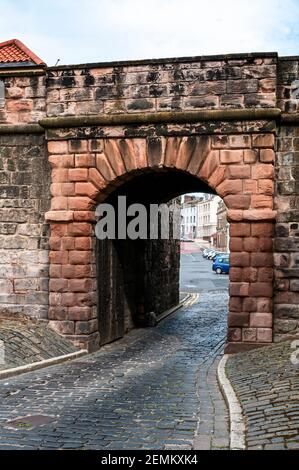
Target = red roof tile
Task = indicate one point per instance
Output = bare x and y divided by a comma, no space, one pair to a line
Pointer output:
15,51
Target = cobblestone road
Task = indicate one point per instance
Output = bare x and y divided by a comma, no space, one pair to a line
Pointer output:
154,389
267,384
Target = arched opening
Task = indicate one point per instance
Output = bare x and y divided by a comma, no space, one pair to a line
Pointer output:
139,277
151,170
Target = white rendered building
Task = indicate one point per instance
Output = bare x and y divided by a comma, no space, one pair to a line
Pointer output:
189,217
207,217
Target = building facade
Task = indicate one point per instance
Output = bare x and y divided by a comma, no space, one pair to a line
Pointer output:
199,217
189,217
207,217
222,238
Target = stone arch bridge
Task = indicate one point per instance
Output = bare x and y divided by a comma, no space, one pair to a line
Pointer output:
71,136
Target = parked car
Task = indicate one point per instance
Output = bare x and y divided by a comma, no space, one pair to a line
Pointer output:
206,253
221,264
187,240
221,254
224,255
211,254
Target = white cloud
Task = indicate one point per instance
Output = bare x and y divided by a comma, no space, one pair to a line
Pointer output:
98,30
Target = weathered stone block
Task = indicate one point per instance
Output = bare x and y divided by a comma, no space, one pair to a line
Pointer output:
267,156
232,101
242,86
238,171
265,274
249,304
240,230
264,335
79,313
238,201
24,285
261,201
229,187
261,289
231,156
261,320
249,334
235,304
240,259
262,171
262,229
234,334
79,229
239,289
263,141
60,147
6,286
249,274
86,327
285,311
238,319
80,257
63,327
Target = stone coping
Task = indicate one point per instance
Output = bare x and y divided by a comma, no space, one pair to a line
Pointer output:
169,60
23,72
6,373
209,115
7,129
163,117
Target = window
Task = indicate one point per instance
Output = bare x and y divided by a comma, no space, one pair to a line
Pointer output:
2,94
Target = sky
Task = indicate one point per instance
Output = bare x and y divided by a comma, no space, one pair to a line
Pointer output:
81,31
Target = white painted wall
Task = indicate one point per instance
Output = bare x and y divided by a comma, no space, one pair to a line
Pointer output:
207,216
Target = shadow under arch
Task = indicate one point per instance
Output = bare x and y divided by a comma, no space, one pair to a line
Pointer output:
159,185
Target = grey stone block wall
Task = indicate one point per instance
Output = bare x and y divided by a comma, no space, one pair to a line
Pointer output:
215,83
24,198
286,257
23,100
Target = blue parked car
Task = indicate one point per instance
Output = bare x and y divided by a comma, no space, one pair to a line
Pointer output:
221,264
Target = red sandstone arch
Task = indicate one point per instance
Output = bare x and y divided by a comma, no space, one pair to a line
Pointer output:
240,170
